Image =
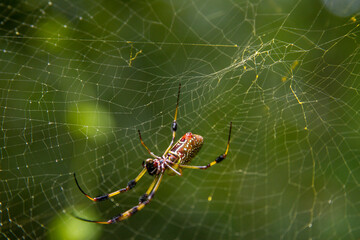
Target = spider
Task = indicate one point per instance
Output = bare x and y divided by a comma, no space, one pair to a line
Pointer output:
175,158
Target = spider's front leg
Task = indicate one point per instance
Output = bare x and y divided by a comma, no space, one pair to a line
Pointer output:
144,200
129,186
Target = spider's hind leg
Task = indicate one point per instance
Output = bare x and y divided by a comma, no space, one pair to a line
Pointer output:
217,160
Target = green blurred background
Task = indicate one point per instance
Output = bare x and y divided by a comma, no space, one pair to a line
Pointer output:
78,78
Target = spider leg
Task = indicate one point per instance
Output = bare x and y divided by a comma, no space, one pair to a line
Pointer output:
142,142
171,168
174,124
145,195
152,190
217,160
129,186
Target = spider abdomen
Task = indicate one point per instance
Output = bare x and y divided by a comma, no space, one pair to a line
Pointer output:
186,148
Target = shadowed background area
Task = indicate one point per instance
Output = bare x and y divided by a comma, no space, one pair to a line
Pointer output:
79,78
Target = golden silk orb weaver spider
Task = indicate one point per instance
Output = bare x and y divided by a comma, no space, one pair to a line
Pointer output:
176,157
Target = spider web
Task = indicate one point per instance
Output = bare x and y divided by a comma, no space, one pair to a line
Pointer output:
78,78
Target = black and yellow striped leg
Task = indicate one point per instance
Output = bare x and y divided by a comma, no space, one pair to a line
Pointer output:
217,160
125,215
138,207
129,186
151,187
174,124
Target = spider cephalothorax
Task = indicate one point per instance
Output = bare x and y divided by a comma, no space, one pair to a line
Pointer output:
153,166
176,157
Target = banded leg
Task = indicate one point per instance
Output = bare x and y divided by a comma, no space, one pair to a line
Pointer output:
151,187
217,160
133,210
129,186
174,124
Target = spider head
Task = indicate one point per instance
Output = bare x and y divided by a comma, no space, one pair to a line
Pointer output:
151,165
